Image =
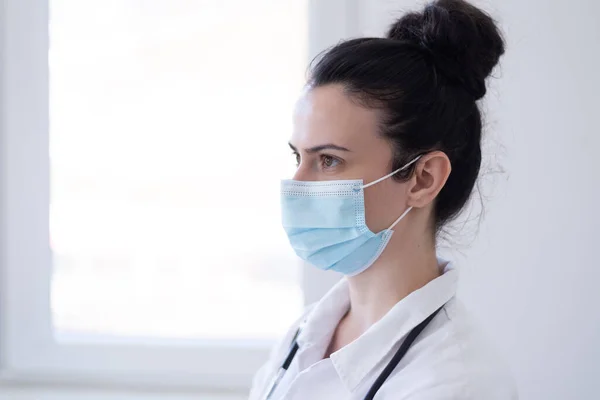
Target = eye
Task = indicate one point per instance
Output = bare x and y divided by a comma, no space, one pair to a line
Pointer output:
329,161
297,156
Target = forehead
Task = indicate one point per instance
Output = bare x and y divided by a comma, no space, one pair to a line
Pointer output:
327,115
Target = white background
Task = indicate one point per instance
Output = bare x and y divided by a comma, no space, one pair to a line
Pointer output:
531,275
156,130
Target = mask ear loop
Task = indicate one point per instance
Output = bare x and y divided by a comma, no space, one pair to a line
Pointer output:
387,176
393,173
400,218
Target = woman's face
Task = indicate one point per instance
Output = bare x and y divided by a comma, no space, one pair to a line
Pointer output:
335,138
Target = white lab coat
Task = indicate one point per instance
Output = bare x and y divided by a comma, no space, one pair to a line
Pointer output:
448,360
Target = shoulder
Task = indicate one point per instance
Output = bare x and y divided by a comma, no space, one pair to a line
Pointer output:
281,348
276,355
454,360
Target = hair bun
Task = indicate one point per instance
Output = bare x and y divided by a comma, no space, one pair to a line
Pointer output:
463,41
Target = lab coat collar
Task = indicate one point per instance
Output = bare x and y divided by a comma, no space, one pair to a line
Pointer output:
354,361
320,323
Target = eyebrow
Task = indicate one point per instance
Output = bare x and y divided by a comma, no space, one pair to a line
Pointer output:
316,149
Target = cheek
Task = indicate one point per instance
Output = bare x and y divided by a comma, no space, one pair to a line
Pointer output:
384,203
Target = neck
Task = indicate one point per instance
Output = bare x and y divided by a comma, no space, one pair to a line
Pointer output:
405,266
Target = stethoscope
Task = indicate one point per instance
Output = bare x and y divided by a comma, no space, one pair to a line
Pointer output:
400,353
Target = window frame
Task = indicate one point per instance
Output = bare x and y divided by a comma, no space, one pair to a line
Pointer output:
29,352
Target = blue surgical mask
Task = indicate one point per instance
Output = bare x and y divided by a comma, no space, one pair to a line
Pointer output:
325,223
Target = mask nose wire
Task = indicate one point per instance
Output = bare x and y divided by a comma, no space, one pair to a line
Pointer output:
393,173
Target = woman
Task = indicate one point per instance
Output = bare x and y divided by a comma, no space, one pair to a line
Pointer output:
387,139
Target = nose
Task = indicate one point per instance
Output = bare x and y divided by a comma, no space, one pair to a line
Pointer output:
303,173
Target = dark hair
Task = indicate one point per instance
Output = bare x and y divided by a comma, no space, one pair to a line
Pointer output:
425,77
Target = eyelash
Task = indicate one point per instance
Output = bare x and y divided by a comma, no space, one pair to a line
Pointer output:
297,156
322,158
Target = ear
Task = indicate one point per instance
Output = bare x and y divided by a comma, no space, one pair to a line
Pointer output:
430,176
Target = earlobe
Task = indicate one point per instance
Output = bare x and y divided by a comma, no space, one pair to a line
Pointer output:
429,177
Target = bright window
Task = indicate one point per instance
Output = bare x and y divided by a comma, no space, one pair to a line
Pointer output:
141,147
168,130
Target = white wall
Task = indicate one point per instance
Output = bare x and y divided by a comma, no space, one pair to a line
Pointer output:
532,277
